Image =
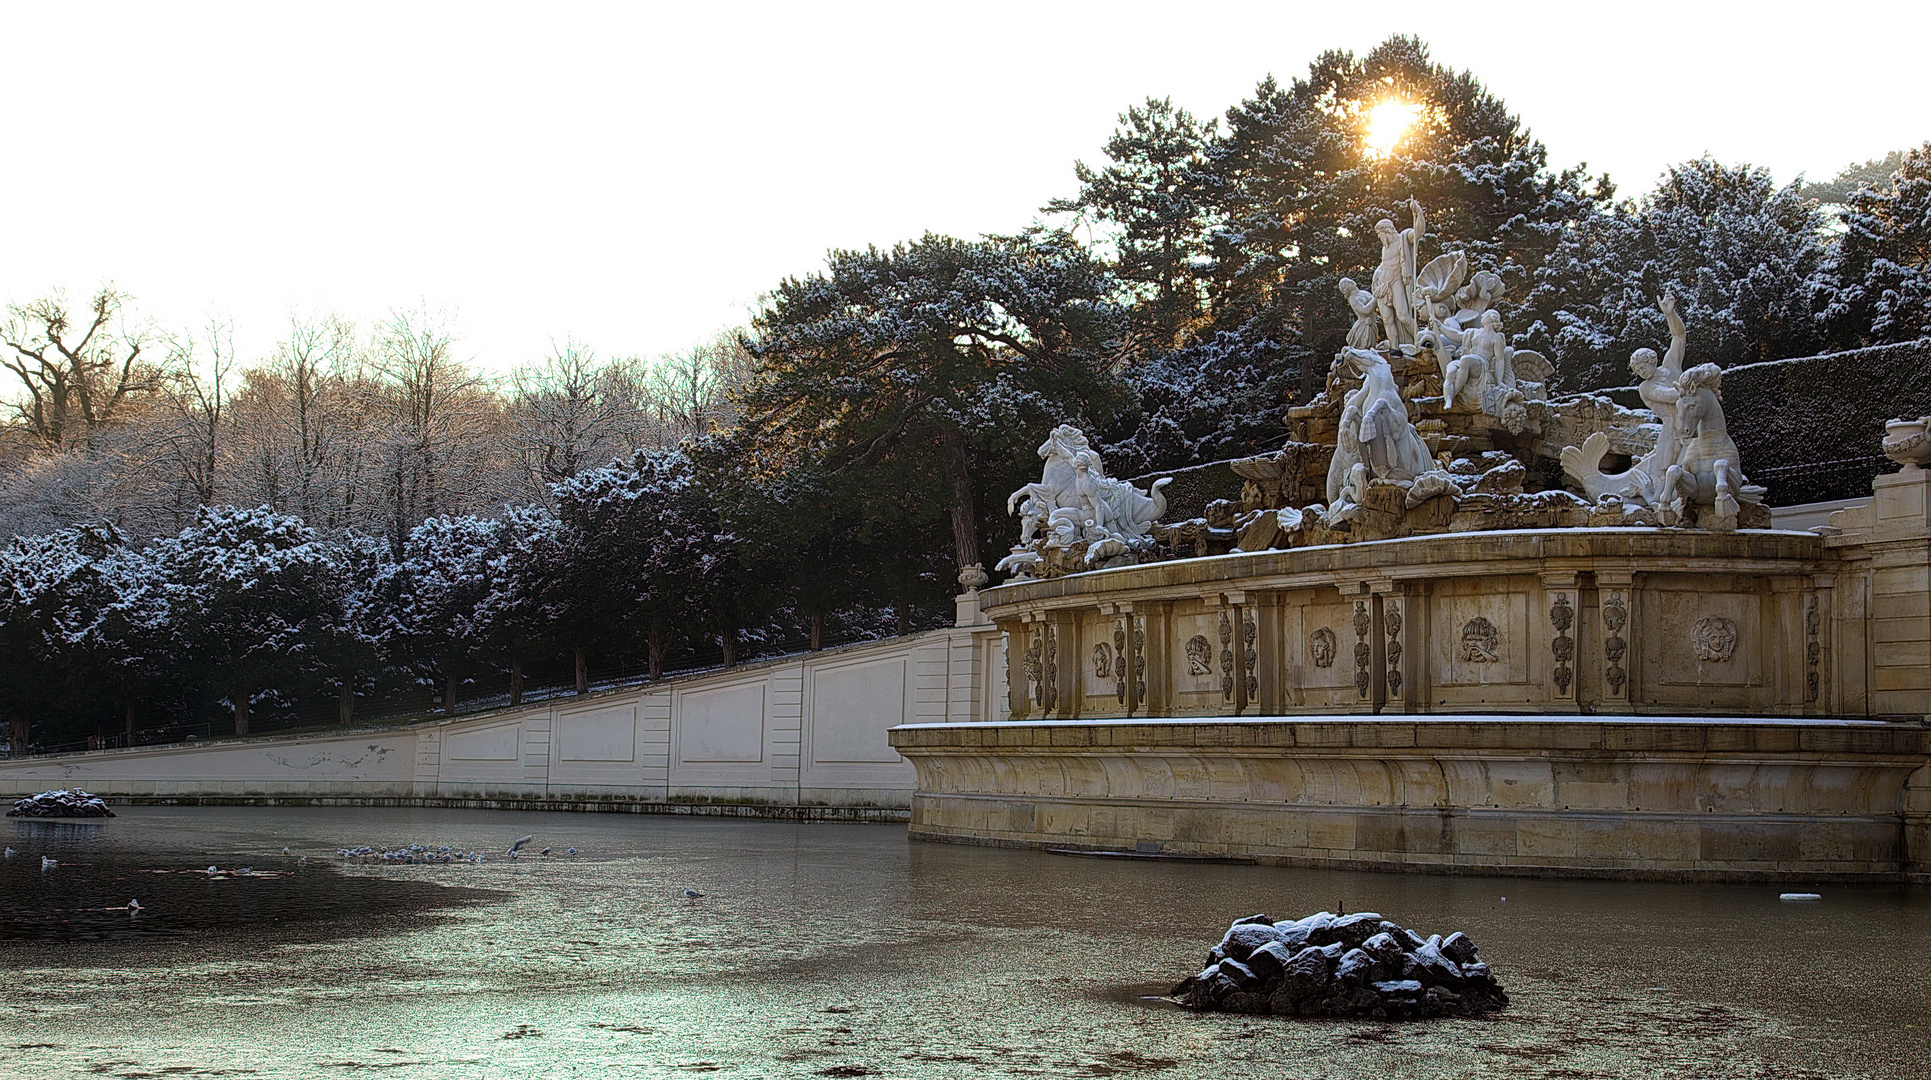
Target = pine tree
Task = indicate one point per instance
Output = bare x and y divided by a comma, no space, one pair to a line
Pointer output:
1742,256
1881,277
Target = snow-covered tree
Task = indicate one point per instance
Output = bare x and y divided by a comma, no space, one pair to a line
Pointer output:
1881,277
237,598
1742,255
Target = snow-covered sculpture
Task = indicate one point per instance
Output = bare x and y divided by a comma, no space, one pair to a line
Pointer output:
1705,472
1076,508
1642,483
1394,277
1694,464
1361,334
1376,440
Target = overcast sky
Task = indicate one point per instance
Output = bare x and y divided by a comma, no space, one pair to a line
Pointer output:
635,176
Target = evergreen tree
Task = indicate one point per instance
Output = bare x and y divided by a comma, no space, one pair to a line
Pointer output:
1880,280
1161,198
1742,255
932,367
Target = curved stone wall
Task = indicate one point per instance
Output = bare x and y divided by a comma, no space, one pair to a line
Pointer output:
1612,621
1677,798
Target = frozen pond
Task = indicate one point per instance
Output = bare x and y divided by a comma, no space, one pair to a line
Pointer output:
844,950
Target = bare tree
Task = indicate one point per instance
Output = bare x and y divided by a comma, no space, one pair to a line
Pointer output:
437,457
77,374
569,413
689,393
191,433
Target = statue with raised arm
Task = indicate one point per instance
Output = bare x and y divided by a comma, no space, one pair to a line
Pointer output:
1394,277
1642,483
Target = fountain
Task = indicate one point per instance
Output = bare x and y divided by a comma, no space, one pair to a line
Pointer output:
1455,622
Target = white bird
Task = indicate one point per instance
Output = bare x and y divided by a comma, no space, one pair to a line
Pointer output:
212,871
134,907
572,851
47,863
284,849
11,853
692,894
518,843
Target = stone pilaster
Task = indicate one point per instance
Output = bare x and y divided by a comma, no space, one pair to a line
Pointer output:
1564,611
1616,653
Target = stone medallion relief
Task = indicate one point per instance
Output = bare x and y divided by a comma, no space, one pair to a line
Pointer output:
1321,646
1481,643
1714,638
1200,655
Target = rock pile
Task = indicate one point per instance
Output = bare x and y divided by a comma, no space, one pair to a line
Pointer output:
75,803
1342,966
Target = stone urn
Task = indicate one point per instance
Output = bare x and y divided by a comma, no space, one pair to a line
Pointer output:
1908,442
971,578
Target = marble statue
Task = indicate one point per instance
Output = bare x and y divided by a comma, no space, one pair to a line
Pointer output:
1394,277
1642,483
1694,463
1361,335
1705,472
1376,436
1075,505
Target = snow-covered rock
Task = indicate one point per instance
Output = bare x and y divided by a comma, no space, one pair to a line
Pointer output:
62,803
1354,965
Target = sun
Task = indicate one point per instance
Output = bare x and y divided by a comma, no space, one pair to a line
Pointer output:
1388,121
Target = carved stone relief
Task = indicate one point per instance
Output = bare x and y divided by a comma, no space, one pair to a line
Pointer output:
1102,661
1321,646
1049,680
1615,616
1200,656
1391,623
1562,616
1363,652
1226,657
1119,659
1481,643
1714,638
1250,633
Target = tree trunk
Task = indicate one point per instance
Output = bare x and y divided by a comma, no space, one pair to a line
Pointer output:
17,733
128,717
241,714
656,645
516,681
965,516
817,630
345,703
449,695
583,671
727,640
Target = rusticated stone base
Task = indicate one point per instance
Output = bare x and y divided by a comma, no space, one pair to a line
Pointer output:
1771,800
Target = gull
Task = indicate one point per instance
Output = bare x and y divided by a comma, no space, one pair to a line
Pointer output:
284,849
11,853
47,863
545,851
519,842
212,871
133,907
572,851
692,894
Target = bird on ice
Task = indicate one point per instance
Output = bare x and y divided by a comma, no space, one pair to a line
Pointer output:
11,853
133,907
212,871
571,851
47,863
517,844
545,851
693,894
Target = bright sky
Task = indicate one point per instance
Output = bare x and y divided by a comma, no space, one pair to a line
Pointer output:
634,176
